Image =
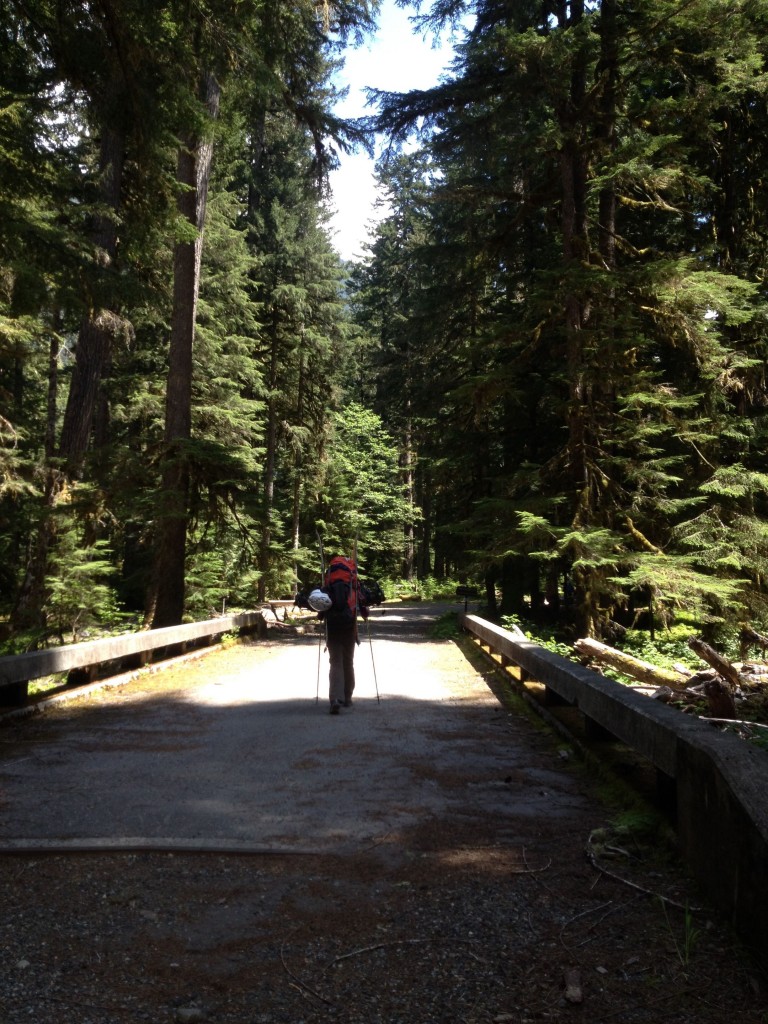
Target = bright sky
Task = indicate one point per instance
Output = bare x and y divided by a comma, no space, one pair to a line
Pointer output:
396,59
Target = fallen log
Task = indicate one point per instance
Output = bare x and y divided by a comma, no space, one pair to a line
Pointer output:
697,679
630,666
721,665
750,636
667,695
757,672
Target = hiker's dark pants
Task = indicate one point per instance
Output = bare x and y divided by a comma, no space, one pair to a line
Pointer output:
341,650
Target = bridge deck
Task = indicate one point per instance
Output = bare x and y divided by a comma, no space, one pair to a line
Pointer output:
236,752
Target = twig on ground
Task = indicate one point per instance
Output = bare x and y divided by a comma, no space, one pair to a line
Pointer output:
592,857
532,872
377,841
400,942
613,910
301,984
584,913
529,870
734,721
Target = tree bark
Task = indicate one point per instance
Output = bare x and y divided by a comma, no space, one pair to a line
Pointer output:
573,174
409,558
298,463
424,492
720,698
98,328
490,593
270,462
607,70
720,664
166,596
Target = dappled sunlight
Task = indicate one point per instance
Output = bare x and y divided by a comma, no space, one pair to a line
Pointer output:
501,861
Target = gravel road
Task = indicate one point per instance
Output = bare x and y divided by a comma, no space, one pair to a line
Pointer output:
208,843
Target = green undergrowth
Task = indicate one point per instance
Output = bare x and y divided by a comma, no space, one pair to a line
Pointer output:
635,831
428,589
446,627
666,649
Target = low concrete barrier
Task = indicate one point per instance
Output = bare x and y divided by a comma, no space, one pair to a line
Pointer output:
17,670
721,781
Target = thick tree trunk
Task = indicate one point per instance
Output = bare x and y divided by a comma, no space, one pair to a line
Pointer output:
575,246
53,388
28,611
92,357
608,71
98,328
166,596
270,462
409,558
424,497
298,463
518,578
490,594
29,608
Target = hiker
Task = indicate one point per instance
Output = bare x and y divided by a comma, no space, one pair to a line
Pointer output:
344,598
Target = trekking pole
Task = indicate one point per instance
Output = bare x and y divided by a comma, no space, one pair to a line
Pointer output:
319,651
375,680
324,632
356,585
367,624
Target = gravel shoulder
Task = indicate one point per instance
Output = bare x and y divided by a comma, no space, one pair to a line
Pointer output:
425,861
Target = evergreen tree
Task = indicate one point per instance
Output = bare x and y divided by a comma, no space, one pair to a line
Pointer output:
575,145
283,51
98,101
363,498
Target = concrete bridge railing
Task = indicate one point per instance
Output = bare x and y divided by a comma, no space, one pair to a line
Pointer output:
720,782
86,661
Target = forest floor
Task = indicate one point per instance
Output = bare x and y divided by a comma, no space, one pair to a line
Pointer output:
541,894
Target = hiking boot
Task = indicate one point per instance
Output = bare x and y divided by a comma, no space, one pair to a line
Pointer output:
348,702
335,705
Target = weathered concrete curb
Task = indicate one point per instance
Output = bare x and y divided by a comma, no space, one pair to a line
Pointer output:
38,705
16,670
721,781
151,844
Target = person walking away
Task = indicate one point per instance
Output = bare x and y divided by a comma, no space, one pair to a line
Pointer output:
346,600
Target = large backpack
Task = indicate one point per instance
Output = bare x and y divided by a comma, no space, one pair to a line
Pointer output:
342,588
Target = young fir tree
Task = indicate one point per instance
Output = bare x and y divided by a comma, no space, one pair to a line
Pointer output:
363,498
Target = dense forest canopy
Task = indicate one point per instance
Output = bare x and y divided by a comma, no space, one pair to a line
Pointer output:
547,375
569,299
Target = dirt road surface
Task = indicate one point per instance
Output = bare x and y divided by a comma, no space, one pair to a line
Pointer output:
208,843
